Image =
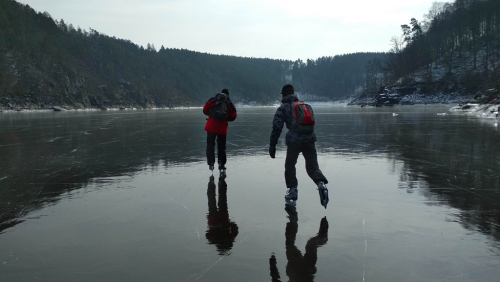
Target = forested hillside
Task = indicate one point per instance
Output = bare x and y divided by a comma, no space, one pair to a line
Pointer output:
455,50
333,78
45,62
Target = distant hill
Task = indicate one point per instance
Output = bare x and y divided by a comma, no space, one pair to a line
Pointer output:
44,62
333,78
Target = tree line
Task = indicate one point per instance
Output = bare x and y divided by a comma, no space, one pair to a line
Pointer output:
463,35
334,78
48,61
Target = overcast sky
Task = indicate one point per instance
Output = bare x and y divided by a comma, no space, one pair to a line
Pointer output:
276,29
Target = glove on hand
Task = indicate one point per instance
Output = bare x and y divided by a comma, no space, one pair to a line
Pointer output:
272,151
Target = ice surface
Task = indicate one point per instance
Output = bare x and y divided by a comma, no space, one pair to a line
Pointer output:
412,198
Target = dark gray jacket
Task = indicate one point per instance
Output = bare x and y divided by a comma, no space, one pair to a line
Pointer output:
284,115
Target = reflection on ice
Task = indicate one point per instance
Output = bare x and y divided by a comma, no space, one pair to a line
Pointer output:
221,230
300,267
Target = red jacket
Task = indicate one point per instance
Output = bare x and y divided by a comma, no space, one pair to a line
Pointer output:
218,126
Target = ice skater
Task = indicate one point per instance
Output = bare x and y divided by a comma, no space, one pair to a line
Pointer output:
219,110
300,138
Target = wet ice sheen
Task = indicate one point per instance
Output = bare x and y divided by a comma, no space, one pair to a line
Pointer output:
127,196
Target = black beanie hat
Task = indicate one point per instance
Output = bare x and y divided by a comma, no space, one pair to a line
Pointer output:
287,89
225,91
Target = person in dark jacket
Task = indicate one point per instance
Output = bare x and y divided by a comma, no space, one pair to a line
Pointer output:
217,129
296,143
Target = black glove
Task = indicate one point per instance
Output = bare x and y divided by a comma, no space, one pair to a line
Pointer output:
272,151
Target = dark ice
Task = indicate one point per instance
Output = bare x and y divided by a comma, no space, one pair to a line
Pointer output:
127,196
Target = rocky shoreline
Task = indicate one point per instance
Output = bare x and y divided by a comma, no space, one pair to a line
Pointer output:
391,97
68,109
489,111
33,104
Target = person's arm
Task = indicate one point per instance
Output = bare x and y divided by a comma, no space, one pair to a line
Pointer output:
232,112
278,122
208,106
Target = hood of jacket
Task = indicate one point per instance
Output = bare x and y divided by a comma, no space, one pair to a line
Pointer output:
290,98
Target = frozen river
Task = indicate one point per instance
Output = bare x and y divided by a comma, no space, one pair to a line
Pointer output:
127,196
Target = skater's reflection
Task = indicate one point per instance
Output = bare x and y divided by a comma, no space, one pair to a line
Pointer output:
299,267
221,231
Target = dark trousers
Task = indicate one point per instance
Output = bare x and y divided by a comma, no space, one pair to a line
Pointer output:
221,148
308,150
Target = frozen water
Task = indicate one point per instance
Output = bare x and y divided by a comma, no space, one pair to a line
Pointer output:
127,196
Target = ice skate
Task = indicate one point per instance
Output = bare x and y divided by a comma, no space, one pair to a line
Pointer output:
222,170
292,194
211,167
323,194
222,175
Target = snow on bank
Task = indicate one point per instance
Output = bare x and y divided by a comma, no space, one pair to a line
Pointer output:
320,104
244,105
440,98
277,104
418,98
489,111
96,109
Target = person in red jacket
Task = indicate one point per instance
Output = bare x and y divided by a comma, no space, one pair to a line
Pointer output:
216,128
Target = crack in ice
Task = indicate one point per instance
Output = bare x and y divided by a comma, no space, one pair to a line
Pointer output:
210,267
197,232
366,247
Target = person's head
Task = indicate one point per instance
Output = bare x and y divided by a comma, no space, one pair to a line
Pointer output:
287,90
225,91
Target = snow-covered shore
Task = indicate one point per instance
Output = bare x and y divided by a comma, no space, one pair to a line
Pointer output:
67,109
479,110
417,98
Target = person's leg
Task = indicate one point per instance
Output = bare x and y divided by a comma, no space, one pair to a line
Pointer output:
292,153
312,166
210,148
221,150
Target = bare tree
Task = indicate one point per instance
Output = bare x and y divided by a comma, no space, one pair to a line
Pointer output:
436,9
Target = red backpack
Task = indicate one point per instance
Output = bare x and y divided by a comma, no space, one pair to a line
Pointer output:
303,118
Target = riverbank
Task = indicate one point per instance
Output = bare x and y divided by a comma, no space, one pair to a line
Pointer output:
10,104
97,109
411,99
489,111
